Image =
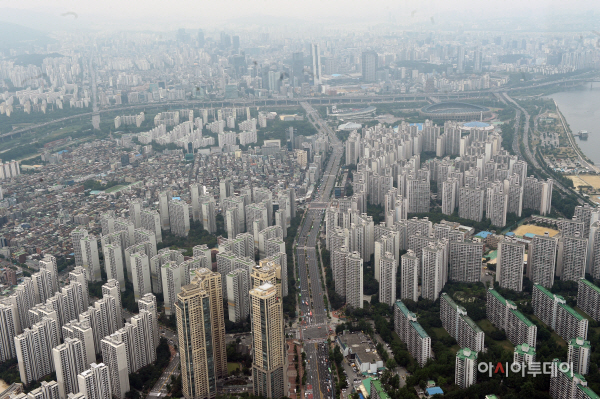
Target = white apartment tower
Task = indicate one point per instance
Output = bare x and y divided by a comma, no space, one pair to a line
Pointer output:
510,263
541,260
69,360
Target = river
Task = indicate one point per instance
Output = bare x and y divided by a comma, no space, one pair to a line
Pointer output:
581,109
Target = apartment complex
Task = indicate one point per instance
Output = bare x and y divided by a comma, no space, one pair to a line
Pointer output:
588,298
411,333
503,314
555,313
465,368
460,326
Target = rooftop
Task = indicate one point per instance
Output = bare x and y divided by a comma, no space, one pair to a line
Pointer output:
434,391
497,295
591,285
419,329
380,391
466,353
572,311
522,317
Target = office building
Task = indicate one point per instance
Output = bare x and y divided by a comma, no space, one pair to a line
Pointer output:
541,260
410,267
588,298
553,310
504,315
114,355
465,369
268,339
238,302
69,360
412,333
510,263
201,331
524,354
459,325
316,66
94,382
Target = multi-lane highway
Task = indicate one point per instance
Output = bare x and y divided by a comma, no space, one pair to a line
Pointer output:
315,326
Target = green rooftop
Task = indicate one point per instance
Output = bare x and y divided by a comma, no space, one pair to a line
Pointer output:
419,329
367,385
591,285
471,323
497,295
583,344
572,311
524,349
522,317
466,353
544,290
450,301
492,396
381,393
588,391
404,309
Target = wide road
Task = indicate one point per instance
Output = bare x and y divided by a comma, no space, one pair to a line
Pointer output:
315,326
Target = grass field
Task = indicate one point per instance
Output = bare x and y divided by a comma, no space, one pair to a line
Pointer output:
488,328
537,230
115,188
231,367
585,180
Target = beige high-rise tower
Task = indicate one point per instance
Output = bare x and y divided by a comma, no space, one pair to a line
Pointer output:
267,339
201,330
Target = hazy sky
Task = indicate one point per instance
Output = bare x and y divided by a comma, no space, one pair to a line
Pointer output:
160,14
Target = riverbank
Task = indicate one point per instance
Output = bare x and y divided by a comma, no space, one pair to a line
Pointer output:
585,161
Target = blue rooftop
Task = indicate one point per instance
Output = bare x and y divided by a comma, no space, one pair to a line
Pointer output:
483,234
510,234
177,198
529,235
476,124
418,125
434,391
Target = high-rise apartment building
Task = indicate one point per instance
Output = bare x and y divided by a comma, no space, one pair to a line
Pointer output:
209,221
163,207
140,268
94,382
69,360
504,314
541,260
465,369
49,263
412,333
76,235
553,310
566,384
79,275
579,355
524,354
179,218
150,220
354,280
470,203
238,302
410,268
201,330
114,355
510,263
460,326
9,326
387,283
316,63
174,276
90,258
434,266
572,256
113,263
82,331
113,289
34,349
464,260
268,340
588,298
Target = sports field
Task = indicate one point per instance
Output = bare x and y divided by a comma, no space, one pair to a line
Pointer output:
585,180
537,230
